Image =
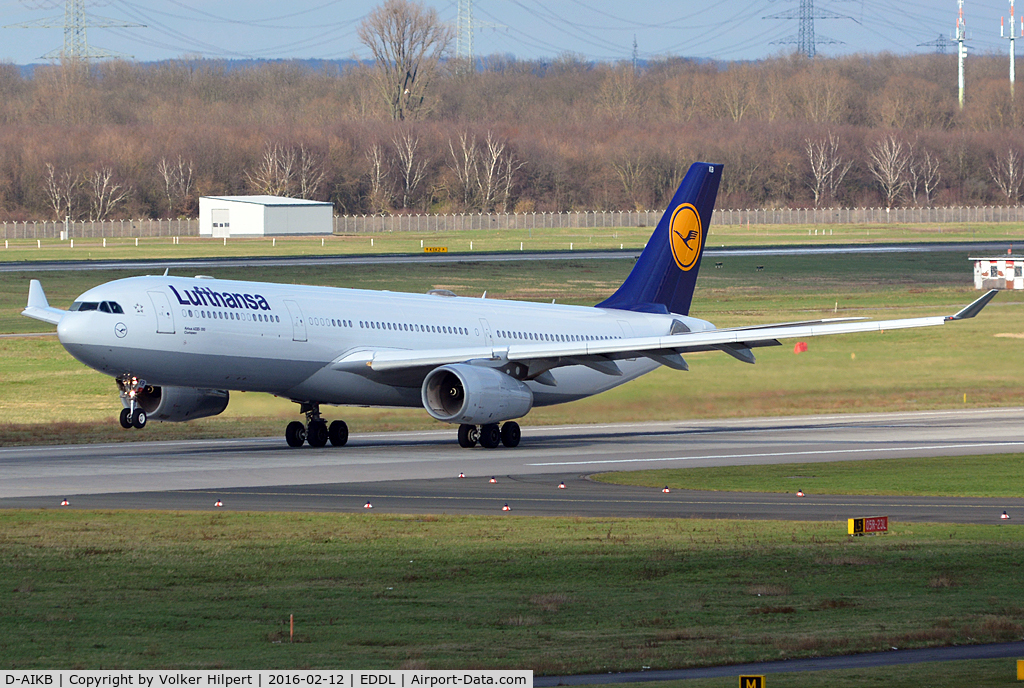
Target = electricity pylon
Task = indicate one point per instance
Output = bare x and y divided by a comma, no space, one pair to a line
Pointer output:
76,46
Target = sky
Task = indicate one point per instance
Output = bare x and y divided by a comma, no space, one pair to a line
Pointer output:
596,30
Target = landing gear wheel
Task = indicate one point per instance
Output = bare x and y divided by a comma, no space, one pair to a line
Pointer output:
490,436
138,419
316,433
511,434
468,435
126,419
338,433
295,434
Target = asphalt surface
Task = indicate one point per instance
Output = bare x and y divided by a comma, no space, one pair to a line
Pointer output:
850,662
418,472
392,259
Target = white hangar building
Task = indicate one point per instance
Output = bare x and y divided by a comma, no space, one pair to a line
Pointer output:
999,272
249,216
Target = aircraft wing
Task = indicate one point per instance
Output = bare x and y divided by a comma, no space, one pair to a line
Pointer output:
601,355
38,307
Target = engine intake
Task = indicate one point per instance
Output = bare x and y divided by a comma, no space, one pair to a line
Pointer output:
178,404
474,395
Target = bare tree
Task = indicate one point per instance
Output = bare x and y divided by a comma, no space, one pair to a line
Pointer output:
464,164
105,193
633,173
381,189
888,165
408,41
1007,174
737,91
311,172
922,173
411,169
275,173
622,93
507,179
490,170
63,191
177,184
828,168
498,168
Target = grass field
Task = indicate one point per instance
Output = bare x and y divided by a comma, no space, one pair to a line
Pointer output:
557,595
976,674
468,242
992,475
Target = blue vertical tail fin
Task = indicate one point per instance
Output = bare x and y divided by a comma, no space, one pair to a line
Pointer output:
663,279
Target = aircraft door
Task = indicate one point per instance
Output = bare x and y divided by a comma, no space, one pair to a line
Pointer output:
164,316
627,332
487,332
298,321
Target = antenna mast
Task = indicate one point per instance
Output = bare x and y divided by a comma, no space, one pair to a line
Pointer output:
1010,35
961,50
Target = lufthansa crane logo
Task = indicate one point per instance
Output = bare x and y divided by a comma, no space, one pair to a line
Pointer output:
685,236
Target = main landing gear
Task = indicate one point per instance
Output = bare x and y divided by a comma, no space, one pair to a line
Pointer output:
133,416
490,436
315,430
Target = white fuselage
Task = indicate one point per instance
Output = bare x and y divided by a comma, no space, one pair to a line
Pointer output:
283,339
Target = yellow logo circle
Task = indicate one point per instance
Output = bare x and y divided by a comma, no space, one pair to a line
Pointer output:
685,236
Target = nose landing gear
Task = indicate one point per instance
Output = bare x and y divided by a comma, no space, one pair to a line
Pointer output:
315,431
133,416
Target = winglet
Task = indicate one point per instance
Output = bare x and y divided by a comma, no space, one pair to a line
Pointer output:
36,295
38,307
975,307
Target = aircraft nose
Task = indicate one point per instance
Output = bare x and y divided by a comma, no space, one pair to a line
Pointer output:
81,338
71,329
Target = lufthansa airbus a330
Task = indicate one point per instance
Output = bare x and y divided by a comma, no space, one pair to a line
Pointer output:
177,345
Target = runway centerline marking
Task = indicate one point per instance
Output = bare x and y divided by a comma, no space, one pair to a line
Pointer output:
779,454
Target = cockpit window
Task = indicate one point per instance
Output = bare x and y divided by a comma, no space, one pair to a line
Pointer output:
103,306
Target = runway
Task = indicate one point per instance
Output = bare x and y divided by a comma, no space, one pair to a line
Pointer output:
417,472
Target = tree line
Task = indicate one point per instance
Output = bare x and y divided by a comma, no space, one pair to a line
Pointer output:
121,139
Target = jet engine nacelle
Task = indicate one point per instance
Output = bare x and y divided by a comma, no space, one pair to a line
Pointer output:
474,395
177,404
